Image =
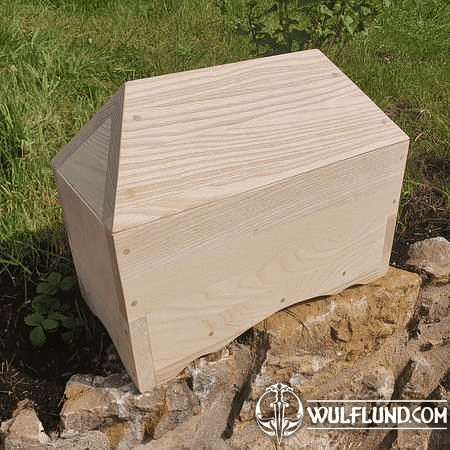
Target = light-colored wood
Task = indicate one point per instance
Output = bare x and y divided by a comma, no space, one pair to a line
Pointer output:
199,203
310,235
192,138
149,255
389,238
145,377
96,267
89,162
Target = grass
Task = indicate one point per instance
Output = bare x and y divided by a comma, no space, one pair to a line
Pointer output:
61,60
404,66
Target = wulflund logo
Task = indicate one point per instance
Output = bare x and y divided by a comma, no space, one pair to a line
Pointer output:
279,413
274,411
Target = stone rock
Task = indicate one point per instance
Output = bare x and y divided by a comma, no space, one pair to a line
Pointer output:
219,382
24,430
429,351
313,341
412,440
251,437
434,301
439,440
433,256
124,435
354,345
127,418
113,405
181,403
377,383
421,379
89,440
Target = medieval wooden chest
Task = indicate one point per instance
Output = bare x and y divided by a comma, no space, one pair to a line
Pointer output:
199,203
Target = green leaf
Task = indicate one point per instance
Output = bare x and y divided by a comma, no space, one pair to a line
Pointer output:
37,336
41,297
46,288
41,303
68,322
68,336
347,21
325,10
43,288
50,324
56,315
54,278
337,7
54,304
33,319
300,36
67,283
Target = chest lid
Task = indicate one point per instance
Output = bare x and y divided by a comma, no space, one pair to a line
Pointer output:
171,143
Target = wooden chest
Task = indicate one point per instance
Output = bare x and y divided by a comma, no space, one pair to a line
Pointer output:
199,203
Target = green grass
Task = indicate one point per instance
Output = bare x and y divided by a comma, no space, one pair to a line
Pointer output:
61,60
403,65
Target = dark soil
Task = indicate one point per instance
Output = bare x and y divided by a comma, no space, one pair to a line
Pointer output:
426,213
40,375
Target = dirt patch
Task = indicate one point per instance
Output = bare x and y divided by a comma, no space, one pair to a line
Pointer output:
426,213
40,375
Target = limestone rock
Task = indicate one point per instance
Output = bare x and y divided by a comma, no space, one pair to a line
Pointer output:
212,374
124,435
353,345
180,404
313,341
435,302
439,440
89,440
219,382
412,440
433,256
422,379
430,350
113,405
250,437
24,430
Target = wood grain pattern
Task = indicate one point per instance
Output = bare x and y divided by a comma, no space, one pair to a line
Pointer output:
89,161
145,377
147,255
199,203
200,323
196,137
205,276
87,168
391,223
96,267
